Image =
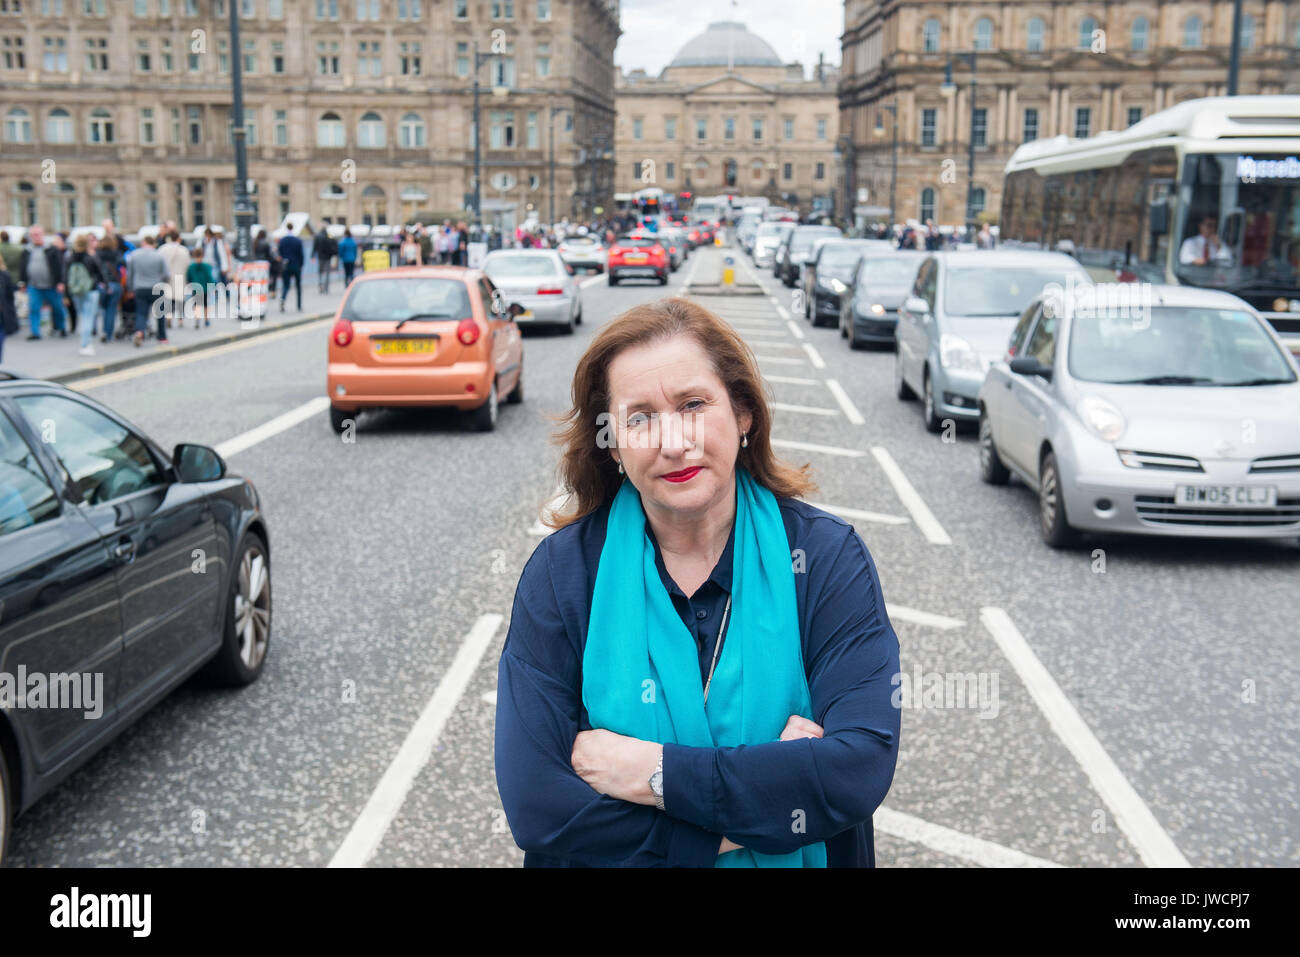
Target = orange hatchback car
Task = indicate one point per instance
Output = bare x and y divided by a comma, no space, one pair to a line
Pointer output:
424,336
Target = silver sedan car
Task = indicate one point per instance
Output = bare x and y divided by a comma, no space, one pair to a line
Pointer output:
541,282
583,252
1180,418
957,318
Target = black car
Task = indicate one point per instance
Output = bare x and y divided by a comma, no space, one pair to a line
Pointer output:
869,310
829,274
794,252
123,572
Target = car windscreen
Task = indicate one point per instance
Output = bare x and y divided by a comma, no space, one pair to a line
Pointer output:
580,241
801,242
987,290
839,256
519,267
1168,345
392,300
768,229
888,270
637,242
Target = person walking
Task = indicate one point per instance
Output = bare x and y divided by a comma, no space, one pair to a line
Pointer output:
264,251
291,255
347,256
323,252
426,243
985,238
217,255
199,287
147,276
40,271
410,251
461,247
109,253
177,258
85,283
8,306
444,243
11,254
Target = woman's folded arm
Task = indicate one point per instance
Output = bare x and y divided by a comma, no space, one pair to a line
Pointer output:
779,796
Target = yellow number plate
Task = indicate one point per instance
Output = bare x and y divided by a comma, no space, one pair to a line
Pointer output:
405,347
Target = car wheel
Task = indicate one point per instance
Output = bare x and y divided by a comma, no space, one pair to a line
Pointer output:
1052,520
246,637
339,419
567,328
577,320
901,389
613,280
484,418
5,803
992,470
932,420
517,393
854,341
808,313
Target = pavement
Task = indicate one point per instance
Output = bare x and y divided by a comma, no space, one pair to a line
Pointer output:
58,360
1138,706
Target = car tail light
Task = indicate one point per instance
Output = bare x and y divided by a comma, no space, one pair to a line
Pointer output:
616,250
672,249
467,332
342,332
657,249
550,292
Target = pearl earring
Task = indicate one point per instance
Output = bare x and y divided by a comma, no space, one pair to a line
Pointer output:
744,441
620,468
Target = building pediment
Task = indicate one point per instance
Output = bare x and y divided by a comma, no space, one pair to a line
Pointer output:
728,85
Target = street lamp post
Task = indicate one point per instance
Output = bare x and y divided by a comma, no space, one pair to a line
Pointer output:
1234,57
948,88
479,59
243,208
893,166
555,111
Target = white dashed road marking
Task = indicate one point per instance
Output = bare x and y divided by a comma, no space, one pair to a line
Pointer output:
812,447
274,427
921,514
845,402
807,409
953,843
863,514
814,356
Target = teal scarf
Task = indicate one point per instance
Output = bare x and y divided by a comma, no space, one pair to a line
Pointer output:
640,669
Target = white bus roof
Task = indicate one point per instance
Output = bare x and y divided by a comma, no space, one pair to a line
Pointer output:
1219,118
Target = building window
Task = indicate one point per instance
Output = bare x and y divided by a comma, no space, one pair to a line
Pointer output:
787,171
55,58
701,128
821,128
367,10
983,34
191,8
929,125
410,132
151,203
729,128
758,130
246,10
408,9
820,172
530,128
670,127
1247,31
501,132
146,126
282,192
368,59
1034,31
503,71
670,171
543,9
543,59
166,64
22,206
930,36
787,128
410,58
327,9
462,9
1139,34
1192,32
194,119
281,128
92,8
977,200
503,9
176,125
101,127
277,56
329,132
275,9
11,48
58,127
462,59
1134,115
250,127
927,204
51,8
97,54
636,172
223,55
1082,121
1087,27
1031,126
979,129
637,125
327,58
250,57
138,7
370,132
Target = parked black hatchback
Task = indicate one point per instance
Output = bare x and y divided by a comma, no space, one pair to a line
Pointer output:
123,572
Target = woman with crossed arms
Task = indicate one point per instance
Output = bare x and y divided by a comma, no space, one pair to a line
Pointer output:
699,666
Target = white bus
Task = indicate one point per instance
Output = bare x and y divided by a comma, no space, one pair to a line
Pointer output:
1133,204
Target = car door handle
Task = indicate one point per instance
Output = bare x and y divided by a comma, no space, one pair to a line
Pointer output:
124,551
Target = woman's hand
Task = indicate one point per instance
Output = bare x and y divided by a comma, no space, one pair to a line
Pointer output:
616,765
797,727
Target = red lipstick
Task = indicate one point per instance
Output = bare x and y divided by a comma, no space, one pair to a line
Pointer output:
685,475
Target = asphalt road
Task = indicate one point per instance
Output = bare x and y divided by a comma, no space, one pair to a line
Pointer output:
1120,730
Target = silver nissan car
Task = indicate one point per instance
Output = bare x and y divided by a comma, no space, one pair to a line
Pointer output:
1176,416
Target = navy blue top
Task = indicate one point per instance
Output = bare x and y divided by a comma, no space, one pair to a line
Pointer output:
774,797
290,248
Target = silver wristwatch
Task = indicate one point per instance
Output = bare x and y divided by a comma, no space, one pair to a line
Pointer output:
657,782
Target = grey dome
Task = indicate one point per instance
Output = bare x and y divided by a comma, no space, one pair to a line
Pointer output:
710,48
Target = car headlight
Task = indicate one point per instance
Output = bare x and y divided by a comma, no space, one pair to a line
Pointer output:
1102,419
877,309
832,284
956,353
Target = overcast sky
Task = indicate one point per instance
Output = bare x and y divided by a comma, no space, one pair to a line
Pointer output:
653,30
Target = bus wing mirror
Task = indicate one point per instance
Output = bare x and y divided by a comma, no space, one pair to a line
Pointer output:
1158,218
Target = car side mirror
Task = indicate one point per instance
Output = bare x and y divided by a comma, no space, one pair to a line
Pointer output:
916,305
1029,365
514,310
198,463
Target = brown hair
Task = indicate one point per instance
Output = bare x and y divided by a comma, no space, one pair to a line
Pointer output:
590,473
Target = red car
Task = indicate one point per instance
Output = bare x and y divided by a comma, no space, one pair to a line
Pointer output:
637,256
